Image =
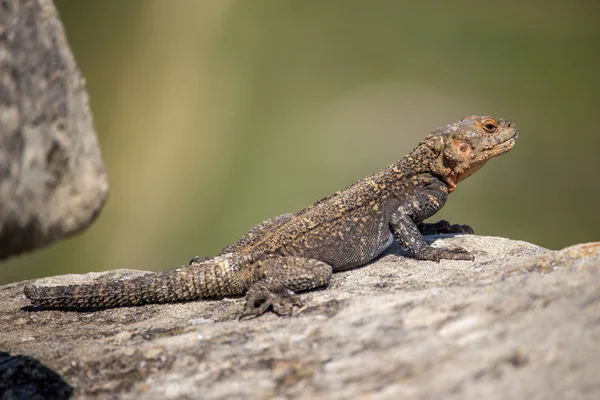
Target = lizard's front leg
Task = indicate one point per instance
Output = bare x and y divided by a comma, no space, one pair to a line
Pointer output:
418,208
278,280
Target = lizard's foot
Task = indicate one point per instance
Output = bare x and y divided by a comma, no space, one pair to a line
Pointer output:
260,297
442,253
444,226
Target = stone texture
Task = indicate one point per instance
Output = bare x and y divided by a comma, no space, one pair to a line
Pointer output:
52,179
519,322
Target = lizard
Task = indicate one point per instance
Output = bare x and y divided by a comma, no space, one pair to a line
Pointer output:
296,252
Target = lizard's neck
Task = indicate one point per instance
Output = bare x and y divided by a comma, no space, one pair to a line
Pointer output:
425,159
448,174
437,164
458,173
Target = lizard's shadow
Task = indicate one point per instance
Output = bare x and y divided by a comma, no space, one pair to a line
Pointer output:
397,249
31,308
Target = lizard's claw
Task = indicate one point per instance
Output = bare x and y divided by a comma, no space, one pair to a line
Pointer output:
260,298
457,253
441,253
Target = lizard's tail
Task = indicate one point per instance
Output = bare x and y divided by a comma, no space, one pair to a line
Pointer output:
181,284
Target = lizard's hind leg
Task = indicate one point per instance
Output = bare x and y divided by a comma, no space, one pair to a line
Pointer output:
279,279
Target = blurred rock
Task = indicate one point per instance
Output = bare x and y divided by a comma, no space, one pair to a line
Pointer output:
519,322
24,377
52,179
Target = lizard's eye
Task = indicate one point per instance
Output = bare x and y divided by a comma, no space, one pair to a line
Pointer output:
490,126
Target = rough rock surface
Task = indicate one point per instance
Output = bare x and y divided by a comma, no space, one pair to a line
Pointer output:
52,179
519,322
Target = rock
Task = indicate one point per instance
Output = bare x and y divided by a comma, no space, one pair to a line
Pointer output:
519,322
52,179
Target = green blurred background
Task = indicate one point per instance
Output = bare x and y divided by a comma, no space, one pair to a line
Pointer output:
216,115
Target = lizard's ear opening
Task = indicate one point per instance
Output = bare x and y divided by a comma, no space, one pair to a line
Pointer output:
462,146
462,149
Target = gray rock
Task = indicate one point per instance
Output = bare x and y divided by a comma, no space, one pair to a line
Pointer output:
519,322
52,179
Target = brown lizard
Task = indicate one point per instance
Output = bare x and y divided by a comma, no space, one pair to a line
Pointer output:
296,252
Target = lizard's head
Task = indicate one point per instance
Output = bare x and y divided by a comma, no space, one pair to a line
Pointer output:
465,146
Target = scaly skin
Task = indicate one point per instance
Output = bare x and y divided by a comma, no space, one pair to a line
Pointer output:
296,252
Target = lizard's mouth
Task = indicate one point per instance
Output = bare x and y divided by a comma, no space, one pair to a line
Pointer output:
510,142
513,137
499,145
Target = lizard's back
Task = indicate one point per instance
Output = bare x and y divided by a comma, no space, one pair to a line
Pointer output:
345,229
